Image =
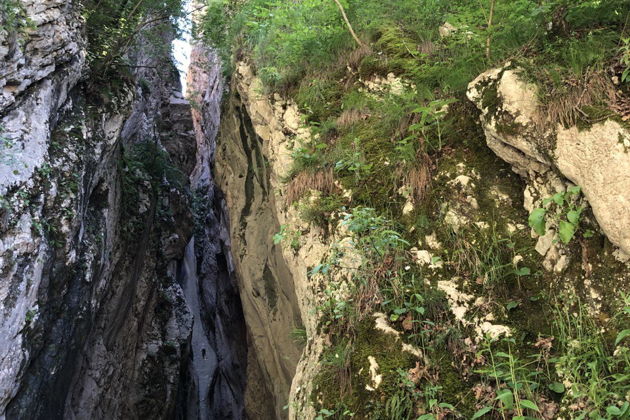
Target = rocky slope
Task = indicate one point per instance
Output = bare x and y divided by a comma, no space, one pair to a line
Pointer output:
595,158
253,161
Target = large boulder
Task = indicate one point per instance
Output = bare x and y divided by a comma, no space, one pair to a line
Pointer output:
597,159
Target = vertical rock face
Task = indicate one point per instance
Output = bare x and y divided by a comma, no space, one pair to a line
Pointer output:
95,220
94,322
46,61
267,285
217,373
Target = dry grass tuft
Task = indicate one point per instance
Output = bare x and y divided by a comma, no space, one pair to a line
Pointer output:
418,177
322,180
419,181
351,116
427,47
368,296
353,60
567,106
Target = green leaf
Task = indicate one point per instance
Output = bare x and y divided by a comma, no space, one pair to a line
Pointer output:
589,234
613,410
506,398
575,190
558,198
623,334
557,387
511,305
566,231
537,221
529,404
574,216
446,405
523,271
481,412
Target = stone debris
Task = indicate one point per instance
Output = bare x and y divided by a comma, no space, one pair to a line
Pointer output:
376,377
461,304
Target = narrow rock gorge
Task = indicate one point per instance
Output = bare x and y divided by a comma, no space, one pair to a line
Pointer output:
410,210
118,291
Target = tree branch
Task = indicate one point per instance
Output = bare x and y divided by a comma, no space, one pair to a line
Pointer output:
489,29
345,18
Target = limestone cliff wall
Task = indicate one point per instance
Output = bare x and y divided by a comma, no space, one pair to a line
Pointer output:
251,160
93,227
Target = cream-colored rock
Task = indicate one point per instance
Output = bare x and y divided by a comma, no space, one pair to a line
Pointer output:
597,160
456,220
545,242
513,100
621,256
461,305
432,241
393,85
381,324
446,30
376,377
408,208
425,258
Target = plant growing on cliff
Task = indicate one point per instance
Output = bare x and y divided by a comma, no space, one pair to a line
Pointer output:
13,17
147,171
431,115
6,144
113,26
566,219
517,381
292,236
374,234
625,59
354,161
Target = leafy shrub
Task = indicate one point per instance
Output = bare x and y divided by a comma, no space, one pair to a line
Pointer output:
567,222
12,16
113,26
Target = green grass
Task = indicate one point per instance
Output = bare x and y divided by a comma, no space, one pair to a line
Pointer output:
590,361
